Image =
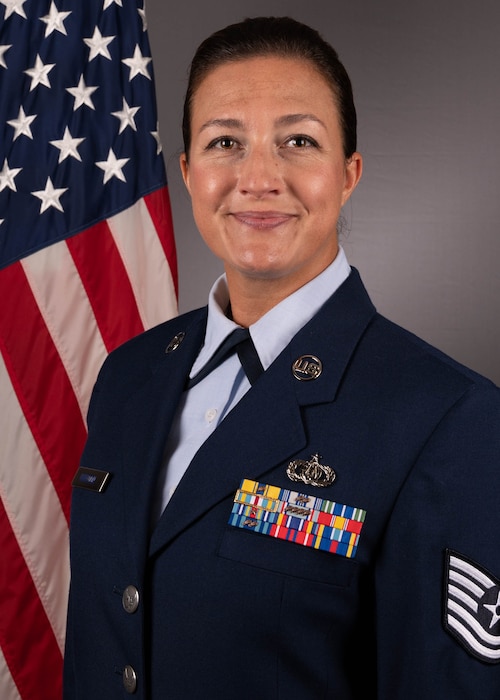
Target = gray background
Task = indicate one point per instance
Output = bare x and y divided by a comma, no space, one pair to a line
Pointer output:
424,223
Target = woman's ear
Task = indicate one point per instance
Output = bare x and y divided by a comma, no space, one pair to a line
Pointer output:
353,171
183,162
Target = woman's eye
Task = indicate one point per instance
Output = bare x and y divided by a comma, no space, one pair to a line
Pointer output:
300,142
225,143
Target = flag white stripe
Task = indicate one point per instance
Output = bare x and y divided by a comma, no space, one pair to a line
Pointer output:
68,315
7,685
33,509
145,262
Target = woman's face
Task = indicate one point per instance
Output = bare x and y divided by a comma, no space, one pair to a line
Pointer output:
266,171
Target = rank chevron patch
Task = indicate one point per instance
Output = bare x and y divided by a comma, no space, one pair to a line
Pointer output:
296,517
472,607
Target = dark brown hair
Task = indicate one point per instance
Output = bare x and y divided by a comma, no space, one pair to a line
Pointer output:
277,36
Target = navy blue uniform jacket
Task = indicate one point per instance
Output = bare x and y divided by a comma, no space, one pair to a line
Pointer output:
226,612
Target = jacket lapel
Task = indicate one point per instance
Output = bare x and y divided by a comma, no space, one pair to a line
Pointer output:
252,438
147,418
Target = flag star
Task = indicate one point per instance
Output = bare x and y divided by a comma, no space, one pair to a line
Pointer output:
55,20
108,3
12,6
126,116
112,167
142,14
50,196
7,176
495,611
68,146
138,64
82,94
39,74
98,45
156,136
21,125
3,49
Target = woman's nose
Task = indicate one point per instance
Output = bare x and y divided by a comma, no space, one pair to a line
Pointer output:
260,172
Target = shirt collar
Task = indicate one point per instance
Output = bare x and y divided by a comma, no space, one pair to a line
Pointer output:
273,331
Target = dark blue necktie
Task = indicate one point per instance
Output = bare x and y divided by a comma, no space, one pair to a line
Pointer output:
238,341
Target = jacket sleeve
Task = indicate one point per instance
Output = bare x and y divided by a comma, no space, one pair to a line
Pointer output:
438,574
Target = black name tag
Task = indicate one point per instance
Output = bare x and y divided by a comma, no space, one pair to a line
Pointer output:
92,479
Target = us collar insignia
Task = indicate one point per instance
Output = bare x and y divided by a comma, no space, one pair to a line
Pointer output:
306,368
311,472
297,517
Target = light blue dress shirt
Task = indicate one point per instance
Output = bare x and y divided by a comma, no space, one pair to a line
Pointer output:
205,405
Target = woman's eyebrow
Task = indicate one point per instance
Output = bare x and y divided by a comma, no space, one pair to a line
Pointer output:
285,120
226,123
291,119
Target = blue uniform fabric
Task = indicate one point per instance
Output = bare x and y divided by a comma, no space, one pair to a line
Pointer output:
224,612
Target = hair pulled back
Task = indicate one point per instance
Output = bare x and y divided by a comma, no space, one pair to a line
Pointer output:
273,36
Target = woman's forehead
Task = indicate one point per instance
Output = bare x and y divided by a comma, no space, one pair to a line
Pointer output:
271,77
258,62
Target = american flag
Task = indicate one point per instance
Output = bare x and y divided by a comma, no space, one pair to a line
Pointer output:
87,260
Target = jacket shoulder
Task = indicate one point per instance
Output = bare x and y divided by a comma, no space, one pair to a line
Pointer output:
405,354
154,341
134,361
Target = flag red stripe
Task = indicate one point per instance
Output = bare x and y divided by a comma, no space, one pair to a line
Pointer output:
34,511
40,381
160,211
22,618
106,283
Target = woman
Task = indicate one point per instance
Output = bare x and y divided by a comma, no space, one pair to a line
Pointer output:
327,527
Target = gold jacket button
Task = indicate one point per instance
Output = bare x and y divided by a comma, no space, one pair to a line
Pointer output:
130,599
129,679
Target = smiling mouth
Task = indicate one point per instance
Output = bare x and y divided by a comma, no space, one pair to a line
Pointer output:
262,219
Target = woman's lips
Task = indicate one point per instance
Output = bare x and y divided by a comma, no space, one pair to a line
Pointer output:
262,219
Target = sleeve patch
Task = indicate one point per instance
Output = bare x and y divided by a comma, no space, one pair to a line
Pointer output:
472,607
